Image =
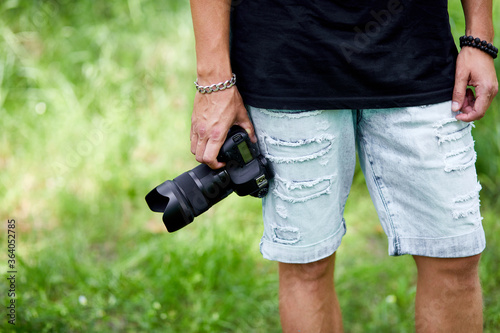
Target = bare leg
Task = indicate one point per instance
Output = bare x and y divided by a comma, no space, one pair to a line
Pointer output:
449,295
308,302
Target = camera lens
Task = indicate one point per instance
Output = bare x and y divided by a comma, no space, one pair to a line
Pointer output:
189,195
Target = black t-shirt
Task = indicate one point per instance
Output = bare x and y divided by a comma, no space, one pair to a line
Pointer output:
333,54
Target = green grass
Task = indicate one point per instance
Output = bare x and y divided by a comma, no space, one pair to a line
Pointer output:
95,102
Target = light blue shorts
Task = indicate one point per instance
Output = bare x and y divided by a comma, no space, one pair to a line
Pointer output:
419,167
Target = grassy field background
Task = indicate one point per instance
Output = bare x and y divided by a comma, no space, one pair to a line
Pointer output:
95,103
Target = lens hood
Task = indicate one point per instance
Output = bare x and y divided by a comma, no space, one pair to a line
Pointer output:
167,198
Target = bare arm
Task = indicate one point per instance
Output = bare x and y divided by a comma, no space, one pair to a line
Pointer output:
213,114
475,67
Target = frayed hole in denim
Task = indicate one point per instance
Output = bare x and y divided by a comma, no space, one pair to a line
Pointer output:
285,235
281,151
301,191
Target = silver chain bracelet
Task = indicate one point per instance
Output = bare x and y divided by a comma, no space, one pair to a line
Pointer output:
216,87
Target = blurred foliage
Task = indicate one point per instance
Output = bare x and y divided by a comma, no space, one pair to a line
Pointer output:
95,100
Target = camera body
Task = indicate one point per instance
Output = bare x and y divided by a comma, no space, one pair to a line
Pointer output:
192,193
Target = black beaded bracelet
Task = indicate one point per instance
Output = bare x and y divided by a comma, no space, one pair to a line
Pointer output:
479,44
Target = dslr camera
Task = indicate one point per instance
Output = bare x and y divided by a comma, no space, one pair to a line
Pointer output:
192,193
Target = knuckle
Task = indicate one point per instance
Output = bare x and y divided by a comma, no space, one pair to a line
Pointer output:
479,116
491,86
202,132
461,74
216,135
210,163
494,89
458,92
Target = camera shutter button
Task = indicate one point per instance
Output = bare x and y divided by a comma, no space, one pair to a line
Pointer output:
237,138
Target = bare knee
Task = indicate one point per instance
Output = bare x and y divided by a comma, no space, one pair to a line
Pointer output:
454,266
448,295
310,272
459,274
307,297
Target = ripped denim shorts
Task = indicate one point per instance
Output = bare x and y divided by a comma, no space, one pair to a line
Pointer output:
419,168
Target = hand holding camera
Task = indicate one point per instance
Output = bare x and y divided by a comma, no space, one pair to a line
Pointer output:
192,193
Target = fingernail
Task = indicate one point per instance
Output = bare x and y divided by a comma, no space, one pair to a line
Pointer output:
250,133
455,106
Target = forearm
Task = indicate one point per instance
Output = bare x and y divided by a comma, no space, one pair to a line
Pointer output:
214,113
211,32
475,67
478,19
